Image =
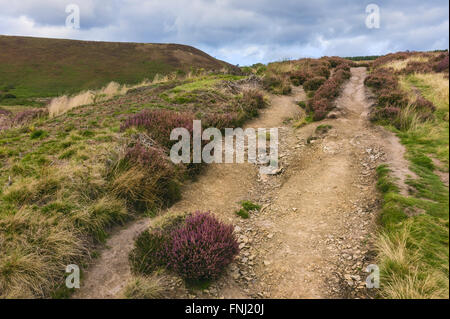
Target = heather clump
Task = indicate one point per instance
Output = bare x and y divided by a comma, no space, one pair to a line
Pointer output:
160,123
145,178
197,247
322,101
441,63
26,116
314,83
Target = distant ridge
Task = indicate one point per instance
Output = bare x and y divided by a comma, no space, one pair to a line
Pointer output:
40,67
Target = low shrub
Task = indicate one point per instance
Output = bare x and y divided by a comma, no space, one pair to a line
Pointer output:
299,77
321,70
220,120
423,108
197,247
26,116
314,83
381,78
277,84
160,123
145,178
5,112
252,101
441,63
147,255
386,113
201,248
322,101
417,67
302,104
391,98
422,104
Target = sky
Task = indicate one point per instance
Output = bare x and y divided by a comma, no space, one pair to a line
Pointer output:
242,31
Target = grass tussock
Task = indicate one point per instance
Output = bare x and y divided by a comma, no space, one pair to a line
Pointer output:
145,287
404,273
35,251
65,103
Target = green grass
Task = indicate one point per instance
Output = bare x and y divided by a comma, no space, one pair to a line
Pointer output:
204,83
414,240
305,120
32,67
242,213
247,207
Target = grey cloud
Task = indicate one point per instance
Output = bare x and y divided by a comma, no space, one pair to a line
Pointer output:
243,31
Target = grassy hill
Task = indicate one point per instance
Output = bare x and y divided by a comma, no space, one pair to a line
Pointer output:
40,67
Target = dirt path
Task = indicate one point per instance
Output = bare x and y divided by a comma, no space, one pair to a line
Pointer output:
312,236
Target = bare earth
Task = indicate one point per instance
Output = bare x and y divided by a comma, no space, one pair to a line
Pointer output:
312,238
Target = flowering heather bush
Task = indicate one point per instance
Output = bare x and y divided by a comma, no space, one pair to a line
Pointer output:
392,98
314,83
220,120
149,157
277,84
441,63
417,67
343,71
423,108
321,70
320,113
422,104
391,57
252,101
335,61
5,112
145,178
159,124
387,113
322,101
28,115
381,78
299,77
201,248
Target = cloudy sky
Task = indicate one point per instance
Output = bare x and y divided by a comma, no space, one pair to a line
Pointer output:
241,31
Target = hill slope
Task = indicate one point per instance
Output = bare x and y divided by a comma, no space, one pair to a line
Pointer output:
40,67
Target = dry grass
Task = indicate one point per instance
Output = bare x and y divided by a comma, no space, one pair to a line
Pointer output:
65,103
142,287
399,65
440,88
408,119
403,270
35,252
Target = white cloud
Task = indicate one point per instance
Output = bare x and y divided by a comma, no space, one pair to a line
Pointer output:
239,31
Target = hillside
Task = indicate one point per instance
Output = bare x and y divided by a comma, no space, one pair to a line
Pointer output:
362,181
40,67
